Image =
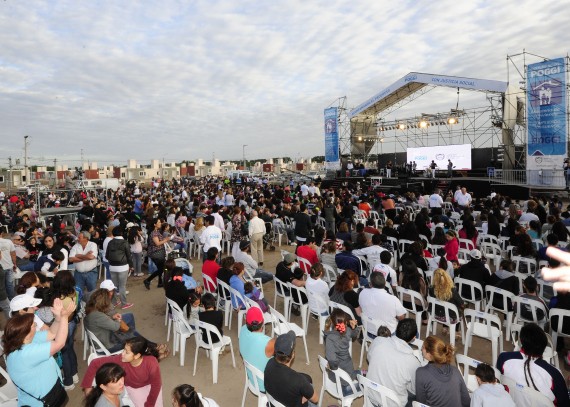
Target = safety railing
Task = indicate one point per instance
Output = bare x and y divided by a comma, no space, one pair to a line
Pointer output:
544,177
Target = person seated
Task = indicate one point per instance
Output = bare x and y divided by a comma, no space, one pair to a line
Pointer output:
212,316
186,396
490,393
530,286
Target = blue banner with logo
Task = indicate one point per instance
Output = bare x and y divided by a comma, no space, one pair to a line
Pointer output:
332,160
546,114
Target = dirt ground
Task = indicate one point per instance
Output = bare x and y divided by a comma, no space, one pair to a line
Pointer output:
149,312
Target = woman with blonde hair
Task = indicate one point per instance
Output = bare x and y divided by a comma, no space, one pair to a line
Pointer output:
439,384
444,290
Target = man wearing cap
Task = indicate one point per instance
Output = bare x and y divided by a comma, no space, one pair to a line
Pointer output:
255,347
84,255
474,270
377,303
251,266
291,388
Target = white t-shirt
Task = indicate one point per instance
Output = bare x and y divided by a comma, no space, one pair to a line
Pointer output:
211,237
6,247
464,200
85,265
435,201
378,304
319,287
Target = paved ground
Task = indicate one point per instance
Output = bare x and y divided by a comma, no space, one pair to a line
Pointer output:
149,312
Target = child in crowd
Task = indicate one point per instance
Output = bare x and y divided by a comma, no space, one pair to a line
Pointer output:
490,393
195,306
212,316
252,292
337,343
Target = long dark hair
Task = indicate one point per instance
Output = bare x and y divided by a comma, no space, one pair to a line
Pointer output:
63,284
107,373
533,342
140,345
16,330
410,275
186,396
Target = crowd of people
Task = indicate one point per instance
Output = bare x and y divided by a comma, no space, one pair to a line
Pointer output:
353,245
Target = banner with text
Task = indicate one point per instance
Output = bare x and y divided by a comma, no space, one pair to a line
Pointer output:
546,116
332,159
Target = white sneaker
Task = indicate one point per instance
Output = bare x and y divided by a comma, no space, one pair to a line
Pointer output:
127,292
69,388
75,378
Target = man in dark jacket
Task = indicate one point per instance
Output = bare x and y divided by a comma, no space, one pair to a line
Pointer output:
345,260
303,224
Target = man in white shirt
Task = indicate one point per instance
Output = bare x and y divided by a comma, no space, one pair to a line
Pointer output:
464,199
457,193
435,202
376,303
8,263
529,214
304,190
211,237
256,233
84,255
392,363
372,252
218,220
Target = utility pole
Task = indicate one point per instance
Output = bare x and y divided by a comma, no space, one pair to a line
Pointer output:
26,158
10,173
55,172
243,152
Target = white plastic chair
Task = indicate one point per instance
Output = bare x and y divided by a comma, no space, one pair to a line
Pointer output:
334,388
466,244
224,300
418,404
530,265
304,264
492,252
414,298
281,326
375,393
272,402
213,349
369,332
182,330
491,293
476,296
524,396
297,292
8,392
549,353
252,383
556,329
534,306
449,308
185,264
208,284
96,345
330,274
281,290
403,245
236,298
323,306
464,364
486,326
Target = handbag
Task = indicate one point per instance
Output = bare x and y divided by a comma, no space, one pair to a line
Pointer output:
56,397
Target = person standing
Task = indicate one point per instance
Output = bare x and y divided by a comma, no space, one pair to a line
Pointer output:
432,167
84,256
256,231
389,169
120,264
211,237
303,224
156,252
8,261
449,169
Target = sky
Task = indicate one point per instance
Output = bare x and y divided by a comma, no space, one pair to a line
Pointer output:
182,80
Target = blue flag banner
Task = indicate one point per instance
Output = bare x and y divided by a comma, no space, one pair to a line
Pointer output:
332,159
546,115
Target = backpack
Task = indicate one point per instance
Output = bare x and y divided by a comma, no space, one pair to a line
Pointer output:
116,255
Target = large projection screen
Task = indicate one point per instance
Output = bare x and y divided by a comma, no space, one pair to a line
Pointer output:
459,154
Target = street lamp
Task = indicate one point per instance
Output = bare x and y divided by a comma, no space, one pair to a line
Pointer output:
243,153
26,158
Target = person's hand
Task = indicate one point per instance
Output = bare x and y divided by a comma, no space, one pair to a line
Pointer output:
561,275
57,307
117,317
353,323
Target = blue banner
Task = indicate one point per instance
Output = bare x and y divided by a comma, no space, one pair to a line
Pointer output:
332,160
546,114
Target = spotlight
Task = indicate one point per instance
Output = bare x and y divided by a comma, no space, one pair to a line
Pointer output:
381,140
423,124
359,138
452,120
402,126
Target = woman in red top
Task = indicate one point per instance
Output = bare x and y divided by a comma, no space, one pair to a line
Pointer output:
451,246
142,374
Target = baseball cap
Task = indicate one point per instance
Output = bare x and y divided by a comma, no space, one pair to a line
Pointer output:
107,285
243,244
19,302
130,225
254,316
290,258
475,254
284,344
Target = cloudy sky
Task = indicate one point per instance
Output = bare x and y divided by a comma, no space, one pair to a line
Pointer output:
191,79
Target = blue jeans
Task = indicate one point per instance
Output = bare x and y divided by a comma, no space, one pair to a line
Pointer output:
9,283
68,356
107,271
29,266
264,275
86,279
